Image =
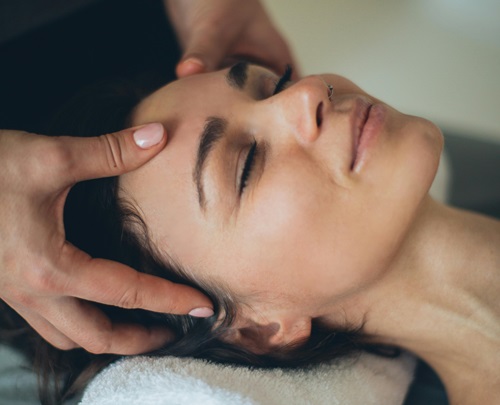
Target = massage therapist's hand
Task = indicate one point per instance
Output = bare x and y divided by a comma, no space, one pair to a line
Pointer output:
48,281
210,31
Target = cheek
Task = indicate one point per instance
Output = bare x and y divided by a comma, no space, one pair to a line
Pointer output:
284,238
305,244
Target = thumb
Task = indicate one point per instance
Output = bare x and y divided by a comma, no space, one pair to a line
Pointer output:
204,52
112,154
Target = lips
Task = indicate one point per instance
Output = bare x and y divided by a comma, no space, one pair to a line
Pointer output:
368,124
360,116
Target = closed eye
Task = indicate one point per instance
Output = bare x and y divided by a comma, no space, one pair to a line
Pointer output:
254,149
247,168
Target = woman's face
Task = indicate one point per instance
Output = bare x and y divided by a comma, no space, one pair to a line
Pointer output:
289,200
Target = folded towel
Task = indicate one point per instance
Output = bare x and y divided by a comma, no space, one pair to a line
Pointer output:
142,380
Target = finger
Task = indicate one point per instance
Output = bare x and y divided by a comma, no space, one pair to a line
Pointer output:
273,53
112,283
91,329
111,154
46,330
204,51
190,66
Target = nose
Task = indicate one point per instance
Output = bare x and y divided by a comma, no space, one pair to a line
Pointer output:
302,107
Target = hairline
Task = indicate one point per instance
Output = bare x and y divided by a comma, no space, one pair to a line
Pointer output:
135,223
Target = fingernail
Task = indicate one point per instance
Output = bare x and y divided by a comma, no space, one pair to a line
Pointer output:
192,65
194,62
204,312
149,135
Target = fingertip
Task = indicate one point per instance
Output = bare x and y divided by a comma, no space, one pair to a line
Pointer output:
190,66
199,305
149,135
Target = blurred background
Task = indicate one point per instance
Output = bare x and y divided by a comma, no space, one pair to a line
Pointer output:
439,59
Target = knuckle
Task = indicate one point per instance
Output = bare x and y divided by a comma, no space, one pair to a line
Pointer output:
100,345
63,344
130,299
113,152
98,348
50,161
173,303
34,159
98,339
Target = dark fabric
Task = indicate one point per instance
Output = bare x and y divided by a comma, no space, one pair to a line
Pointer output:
42,69
20,16
426,389
476,174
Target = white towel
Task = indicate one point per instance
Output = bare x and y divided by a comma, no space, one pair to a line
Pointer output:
367,380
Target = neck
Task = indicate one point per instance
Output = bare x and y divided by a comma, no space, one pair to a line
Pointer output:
439,300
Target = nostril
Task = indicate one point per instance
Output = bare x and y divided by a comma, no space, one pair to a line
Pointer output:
319,114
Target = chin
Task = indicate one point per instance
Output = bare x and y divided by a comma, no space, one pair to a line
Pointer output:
428,148
417,146
408,177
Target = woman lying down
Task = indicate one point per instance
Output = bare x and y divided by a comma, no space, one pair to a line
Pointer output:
302,210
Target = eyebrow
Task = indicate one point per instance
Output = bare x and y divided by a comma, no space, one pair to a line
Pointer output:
213,131
237,75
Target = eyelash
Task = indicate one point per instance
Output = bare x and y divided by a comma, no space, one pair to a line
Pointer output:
250,160
247,168
283,80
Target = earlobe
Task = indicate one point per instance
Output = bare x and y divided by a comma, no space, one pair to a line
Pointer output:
292,330
263,337
257,337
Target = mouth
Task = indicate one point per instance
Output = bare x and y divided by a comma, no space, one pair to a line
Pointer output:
367,120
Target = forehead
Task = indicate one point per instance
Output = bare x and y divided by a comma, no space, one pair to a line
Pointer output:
180,101
163,189
183,107
209,93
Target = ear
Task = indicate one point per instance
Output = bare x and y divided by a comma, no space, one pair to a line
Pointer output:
263,336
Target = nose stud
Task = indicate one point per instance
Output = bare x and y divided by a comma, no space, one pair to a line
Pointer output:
329,87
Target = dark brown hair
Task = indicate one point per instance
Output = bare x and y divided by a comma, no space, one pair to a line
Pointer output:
98,222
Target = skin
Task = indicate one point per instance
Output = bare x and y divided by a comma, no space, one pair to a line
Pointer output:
310,237
51,285
306,198
439,299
